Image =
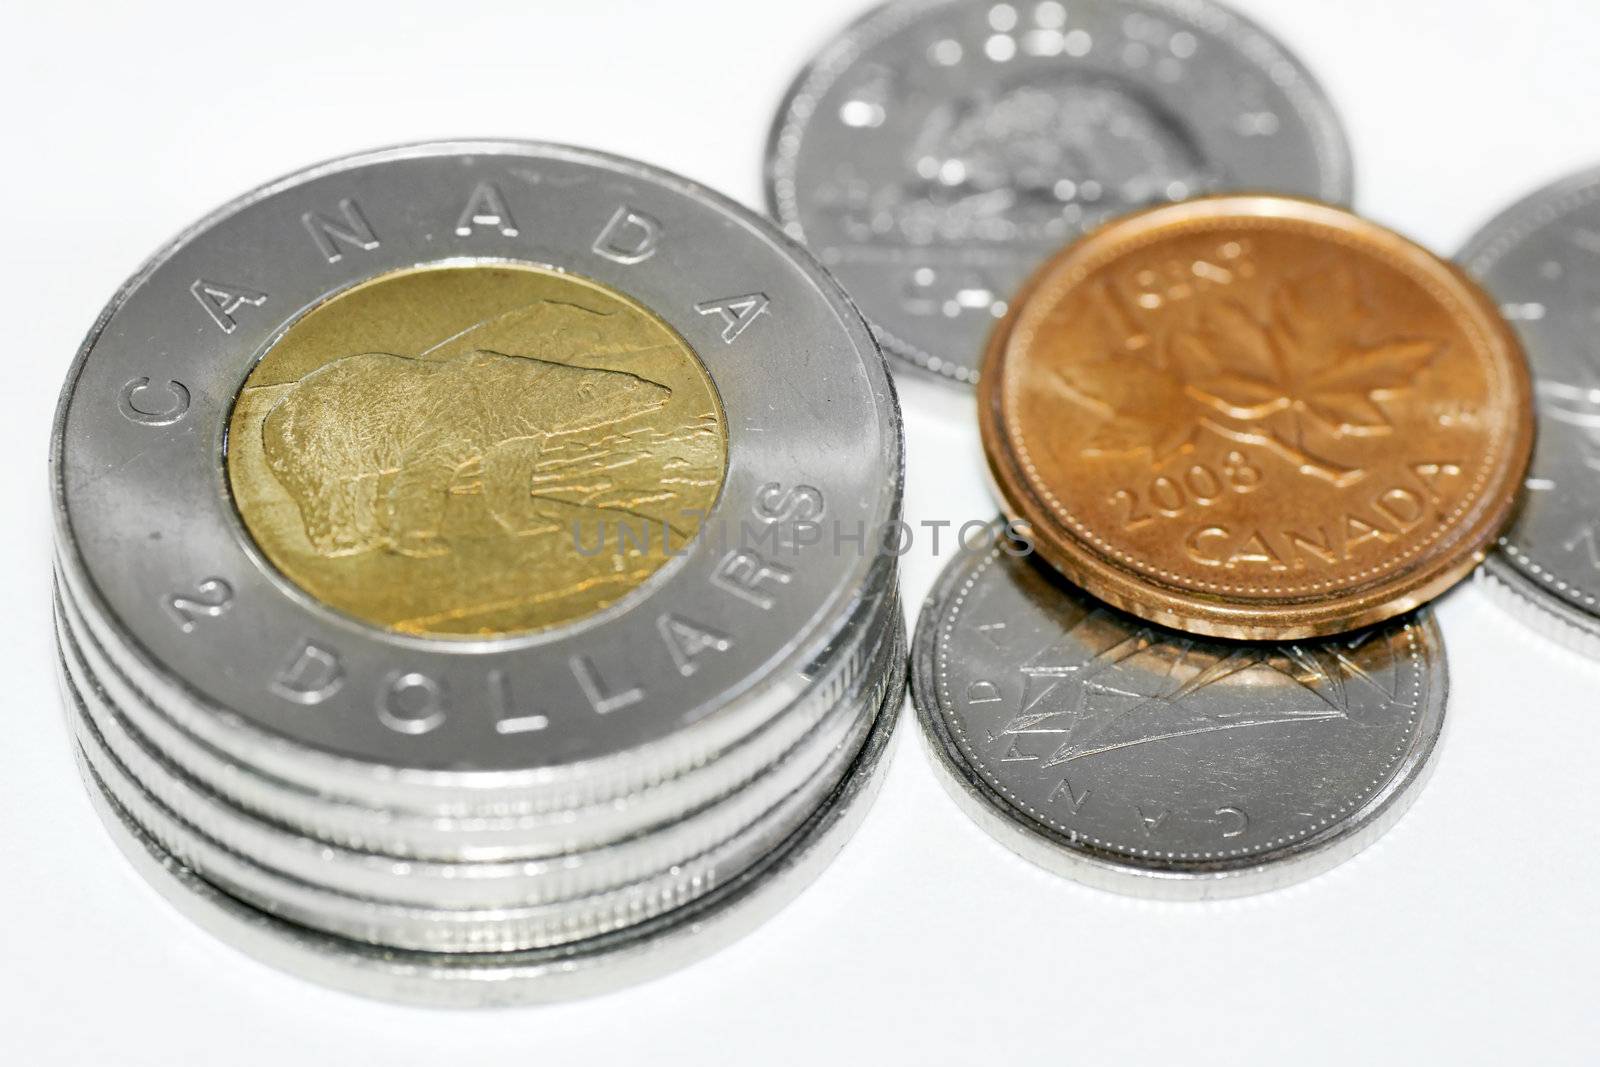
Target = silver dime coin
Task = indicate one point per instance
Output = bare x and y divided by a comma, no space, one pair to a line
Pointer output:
1150,762
226,624
935,152
1541,260
599,965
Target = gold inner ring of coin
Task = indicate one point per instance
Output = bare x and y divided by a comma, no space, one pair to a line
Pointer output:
475,450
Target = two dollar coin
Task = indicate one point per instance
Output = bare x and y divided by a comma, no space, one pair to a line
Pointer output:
440,608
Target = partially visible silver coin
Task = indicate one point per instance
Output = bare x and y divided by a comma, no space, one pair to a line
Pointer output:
1150,762
935,152
1541,260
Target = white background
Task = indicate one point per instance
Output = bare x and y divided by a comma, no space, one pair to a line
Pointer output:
1469,932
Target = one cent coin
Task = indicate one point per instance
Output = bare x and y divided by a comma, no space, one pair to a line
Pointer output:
1256,417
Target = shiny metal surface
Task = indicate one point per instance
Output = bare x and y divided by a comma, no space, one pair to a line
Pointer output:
742,823
420,451
1540,258
508,925
451,830
933,153
1145,761
488,979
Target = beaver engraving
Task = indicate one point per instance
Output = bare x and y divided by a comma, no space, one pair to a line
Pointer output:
372,447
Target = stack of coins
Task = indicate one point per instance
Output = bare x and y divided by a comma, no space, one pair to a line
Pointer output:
1239,440
449,604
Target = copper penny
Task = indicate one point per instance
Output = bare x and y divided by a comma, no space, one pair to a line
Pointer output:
1256,417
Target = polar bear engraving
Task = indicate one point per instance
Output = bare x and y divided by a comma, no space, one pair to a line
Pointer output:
433,451
371,446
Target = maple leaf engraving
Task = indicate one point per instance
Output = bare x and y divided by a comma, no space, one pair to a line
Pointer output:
1294,381
1139,399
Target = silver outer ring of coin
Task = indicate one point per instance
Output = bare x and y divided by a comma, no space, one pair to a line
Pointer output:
1249,48
1524,258
505,836
1061,854
733,820
559,202
657,947
432,927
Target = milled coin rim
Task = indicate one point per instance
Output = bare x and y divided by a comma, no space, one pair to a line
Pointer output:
1103,869
1322,120
1538,610
590,968
1264,618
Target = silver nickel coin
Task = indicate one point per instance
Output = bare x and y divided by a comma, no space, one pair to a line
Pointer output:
1149,762
587,968
582,713
1541,260
935,152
